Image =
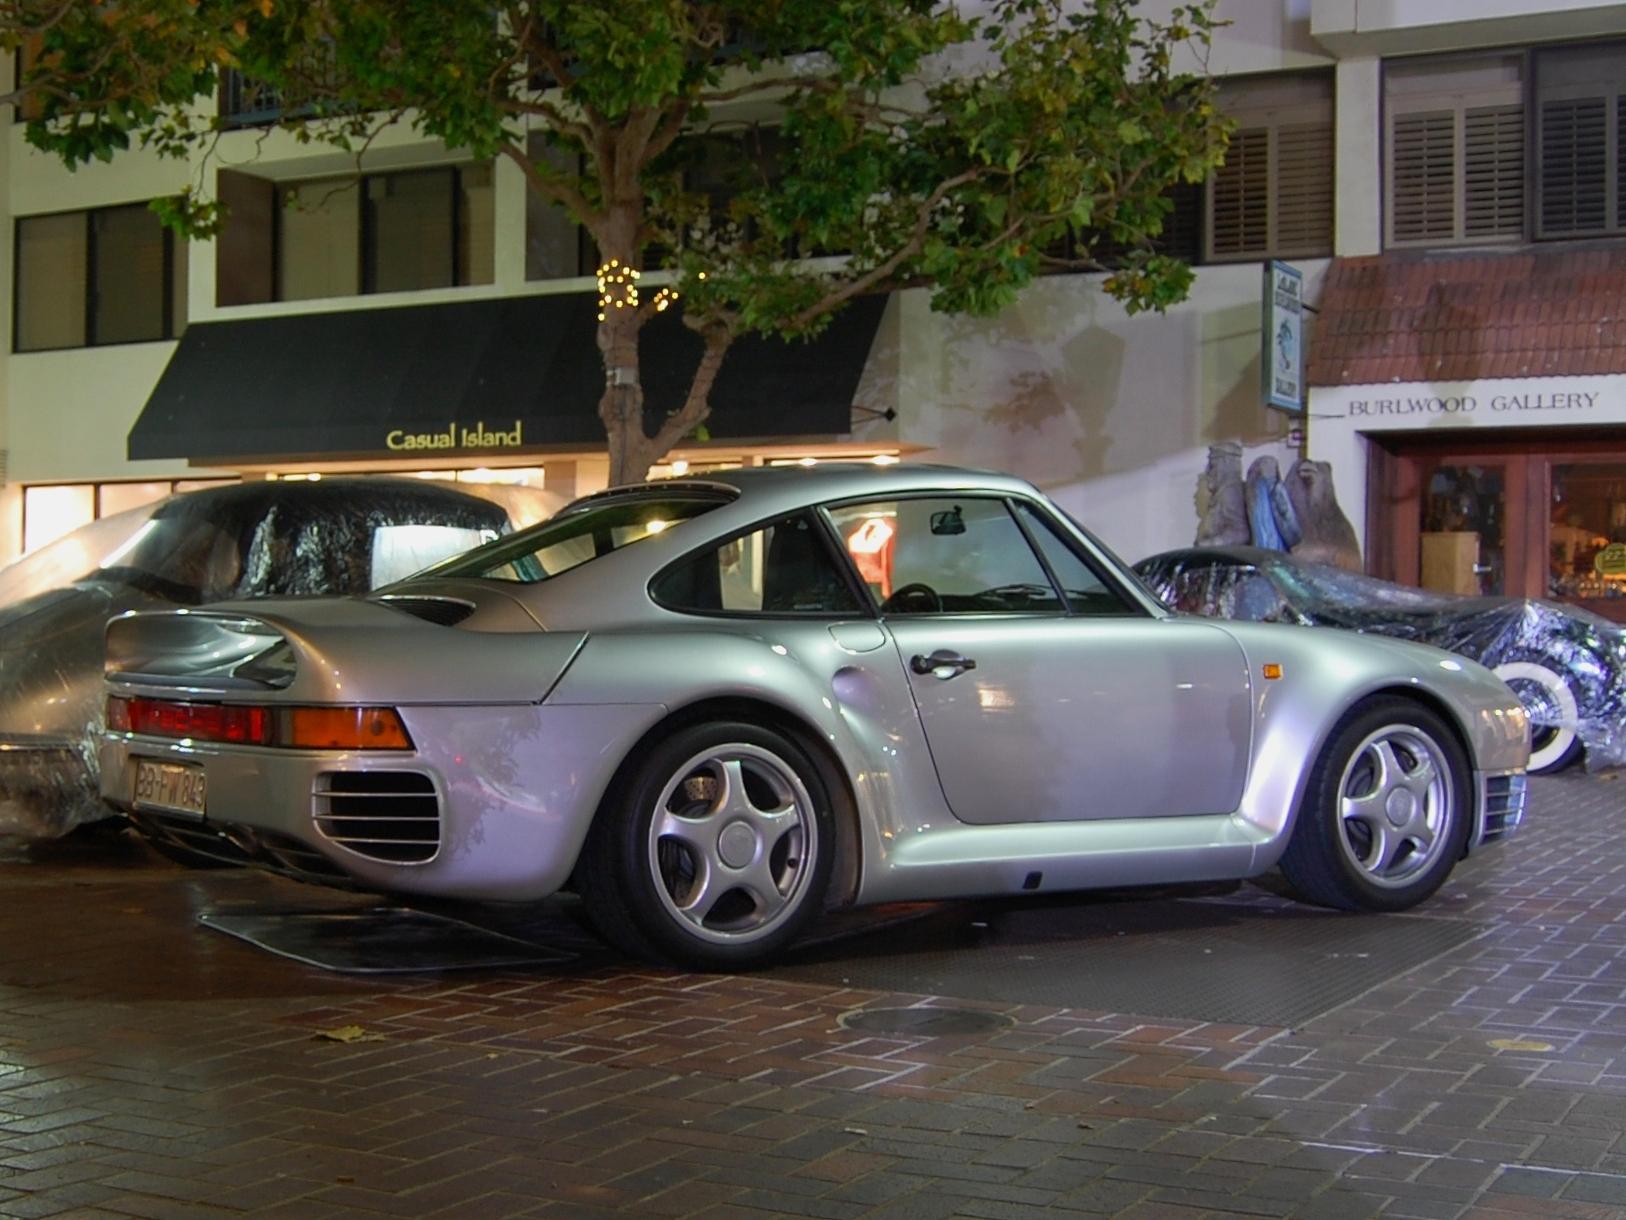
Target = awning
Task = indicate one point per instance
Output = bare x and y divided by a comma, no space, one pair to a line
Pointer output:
1554,312
472,379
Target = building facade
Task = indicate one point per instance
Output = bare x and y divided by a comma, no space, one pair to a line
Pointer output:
1447,174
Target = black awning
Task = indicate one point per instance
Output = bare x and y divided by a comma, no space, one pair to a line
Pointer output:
462,379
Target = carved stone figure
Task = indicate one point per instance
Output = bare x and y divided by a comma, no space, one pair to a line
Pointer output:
1271,516
1328,535
1221,505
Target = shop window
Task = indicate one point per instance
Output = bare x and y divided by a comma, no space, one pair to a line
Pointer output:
50,512
1580,133
1454,151
1273,196
332,237
1585,531
110,275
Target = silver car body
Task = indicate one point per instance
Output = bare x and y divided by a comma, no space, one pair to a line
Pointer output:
1079,752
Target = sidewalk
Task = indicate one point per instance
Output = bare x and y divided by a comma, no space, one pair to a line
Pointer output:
151,1067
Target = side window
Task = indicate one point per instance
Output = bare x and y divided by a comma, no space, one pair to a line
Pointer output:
945,555
1087,593
783,568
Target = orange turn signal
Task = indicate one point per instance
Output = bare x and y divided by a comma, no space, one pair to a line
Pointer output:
1272,670
344,728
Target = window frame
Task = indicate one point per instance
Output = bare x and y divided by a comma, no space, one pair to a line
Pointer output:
1458,101
366,255
172,327
1531,95
1272,114
1135,605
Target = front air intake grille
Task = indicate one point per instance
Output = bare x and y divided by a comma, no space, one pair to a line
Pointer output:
444,611
389,816
1503,805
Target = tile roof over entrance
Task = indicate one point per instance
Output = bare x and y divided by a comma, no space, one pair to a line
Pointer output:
1525,313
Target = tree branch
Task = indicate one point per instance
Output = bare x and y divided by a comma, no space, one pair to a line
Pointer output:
551,189
878,274
718,333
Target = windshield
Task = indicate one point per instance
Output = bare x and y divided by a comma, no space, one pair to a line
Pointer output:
588,531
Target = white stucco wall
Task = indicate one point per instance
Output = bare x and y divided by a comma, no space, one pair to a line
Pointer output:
1111,414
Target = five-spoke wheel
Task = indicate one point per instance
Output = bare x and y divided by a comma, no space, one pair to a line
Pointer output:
1385,813
714,850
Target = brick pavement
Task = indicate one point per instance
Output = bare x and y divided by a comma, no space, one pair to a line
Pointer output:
149,1067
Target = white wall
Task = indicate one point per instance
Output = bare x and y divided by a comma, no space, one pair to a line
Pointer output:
1404,27
1111,414
73,411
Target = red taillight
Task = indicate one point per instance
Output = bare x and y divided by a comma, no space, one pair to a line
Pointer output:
200,721
339,728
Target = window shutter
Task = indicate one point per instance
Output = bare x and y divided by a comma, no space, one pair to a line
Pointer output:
1620,161
1574,167
1422,177
1239,226
1493,172
1302,194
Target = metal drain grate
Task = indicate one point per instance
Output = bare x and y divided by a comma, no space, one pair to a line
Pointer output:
924,1022
1197,960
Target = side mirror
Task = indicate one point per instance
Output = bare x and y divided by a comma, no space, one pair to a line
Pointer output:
949,521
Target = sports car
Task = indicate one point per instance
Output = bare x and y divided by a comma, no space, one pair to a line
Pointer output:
234,541
1566,664
715,707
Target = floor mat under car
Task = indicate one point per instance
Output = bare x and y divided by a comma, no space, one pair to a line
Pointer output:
380,940
1199,959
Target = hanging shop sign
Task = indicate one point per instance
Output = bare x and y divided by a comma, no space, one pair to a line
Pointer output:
455,437
1282,340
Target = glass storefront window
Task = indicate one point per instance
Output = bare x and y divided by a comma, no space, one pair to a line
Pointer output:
116,497
50,512
1586,531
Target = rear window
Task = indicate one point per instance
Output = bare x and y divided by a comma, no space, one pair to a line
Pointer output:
575,536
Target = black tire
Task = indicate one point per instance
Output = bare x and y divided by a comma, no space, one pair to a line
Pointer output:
1385,813
745,865
1548,695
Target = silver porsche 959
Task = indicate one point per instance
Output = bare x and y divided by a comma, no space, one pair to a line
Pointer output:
715,707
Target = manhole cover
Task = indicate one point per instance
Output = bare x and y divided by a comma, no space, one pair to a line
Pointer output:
923,1022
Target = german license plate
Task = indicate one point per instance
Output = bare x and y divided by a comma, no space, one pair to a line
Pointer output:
174,787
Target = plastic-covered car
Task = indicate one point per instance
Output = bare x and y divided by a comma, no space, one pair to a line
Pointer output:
235,541
1567,665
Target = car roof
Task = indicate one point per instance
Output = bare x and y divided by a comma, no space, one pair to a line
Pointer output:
765,490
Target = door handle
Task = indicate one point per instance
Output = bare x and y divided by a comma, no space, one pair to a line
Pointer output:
941,664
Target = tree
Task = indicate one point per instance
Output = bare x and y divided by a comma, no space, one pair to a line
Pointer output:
899,143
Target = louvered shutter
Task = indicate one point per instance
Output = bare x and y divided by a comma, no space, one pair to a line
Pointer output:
1302,199
1620,162
1573,163
1493,172
1422,177
1239,219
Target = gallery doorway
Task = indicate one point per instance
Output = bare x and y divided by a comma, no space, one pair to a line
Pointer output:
1521,514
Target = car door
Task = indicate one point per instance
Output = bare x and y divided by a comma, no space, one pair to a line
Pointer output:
1039,704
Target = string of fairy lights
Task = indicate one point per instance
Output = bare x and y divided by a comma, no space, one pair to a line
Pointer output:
618,289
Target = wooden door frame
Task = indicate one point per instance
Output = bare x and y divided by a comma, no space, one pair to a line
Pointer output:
1396,468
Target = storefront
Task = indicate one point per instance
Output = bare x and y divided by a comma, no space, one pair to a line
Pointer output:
1474,414
500,390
